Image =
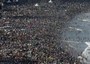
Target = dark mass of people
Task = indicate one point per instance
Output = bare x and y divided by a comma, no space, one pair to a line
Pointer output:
31,32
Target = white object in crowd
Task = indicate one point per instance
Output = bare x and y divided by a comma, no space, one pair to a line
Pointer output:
36,4
50,1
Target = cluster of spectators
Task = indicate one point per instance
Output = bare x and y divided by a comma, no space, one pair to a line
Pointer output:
29,10
23,36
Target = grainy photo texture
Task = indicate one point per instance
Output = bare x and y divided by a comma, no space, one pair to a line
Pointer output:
44,31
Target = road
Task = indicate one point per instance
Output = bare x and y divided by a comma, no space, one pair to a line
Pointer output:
77,32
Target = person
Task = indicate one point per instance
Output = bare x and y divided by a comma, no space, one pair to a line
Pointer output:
0,6
9,1
16,0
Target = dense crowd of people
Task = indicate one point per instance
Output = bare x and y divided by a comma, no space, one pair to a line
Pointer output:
29,32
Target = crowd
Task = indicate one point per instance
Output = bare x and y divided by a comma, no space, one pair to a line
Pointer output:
26,34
